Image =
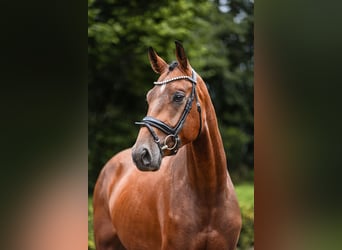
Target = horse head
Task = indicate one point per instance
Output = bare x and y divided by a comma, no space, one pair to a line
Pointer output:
174,112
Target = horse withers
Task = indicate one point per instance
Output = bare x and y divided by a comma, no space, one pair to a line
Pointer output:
171,190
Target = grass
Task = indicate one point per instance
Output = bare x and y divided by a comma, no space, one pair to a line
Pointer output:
91,243
244,192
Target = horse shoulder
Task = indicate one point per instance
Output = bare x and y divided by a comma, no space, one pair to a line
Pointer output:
132,199
105,232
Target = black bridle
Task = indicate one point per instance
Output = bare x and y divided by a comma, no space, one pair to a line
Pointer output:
172,132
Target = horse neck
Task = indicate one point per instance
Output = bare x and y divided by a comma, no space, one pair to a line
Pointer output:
206,159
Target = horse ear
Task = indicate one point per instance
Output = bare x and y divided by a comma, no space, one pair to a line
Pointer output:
157,63
181,56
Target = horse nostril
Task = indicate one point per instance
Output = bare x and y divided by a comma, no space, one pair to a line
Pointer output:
146,157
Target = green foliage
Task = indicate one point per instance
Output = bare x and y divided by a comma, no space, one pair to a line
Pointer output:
219,45
91,242
235,142
246,240
245,193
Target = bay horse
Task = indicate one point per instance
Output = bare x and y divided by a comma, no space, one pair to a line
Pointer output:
171,190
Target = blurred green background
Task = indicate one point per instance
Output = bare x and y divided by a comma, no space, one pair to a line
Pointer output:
218,39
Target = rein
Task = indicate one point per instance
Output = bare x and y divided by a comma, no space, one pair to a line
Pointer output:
172,132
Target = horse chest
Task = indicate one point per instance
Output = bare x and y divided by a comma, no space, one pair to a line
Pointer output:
204,238
192,228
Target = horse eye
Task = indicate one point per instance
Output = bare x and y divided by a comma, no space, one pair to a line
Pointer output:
178,97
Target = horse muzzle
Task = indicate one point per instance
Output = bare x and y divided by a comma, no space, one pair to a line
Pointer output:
146,158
